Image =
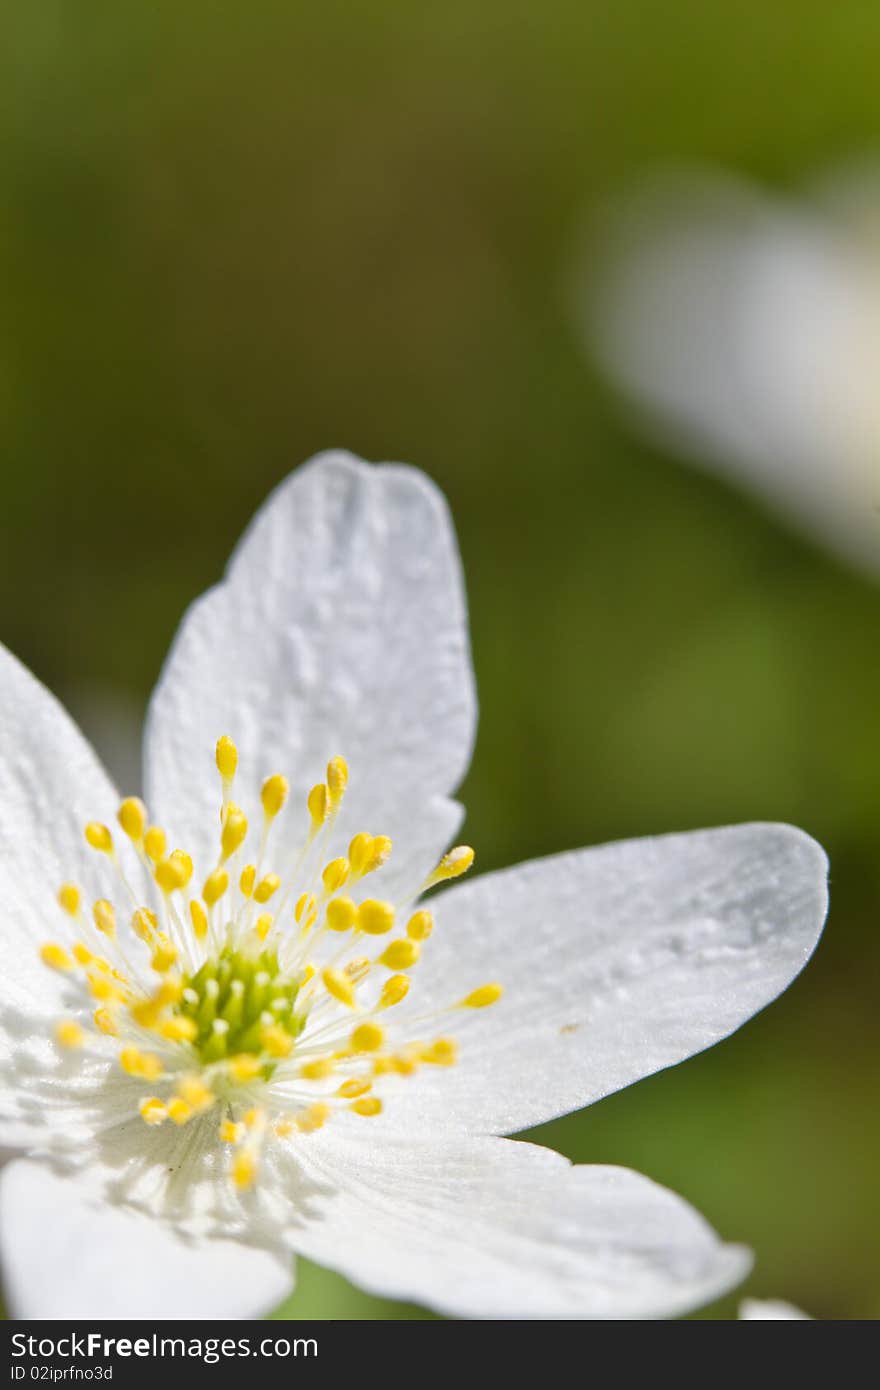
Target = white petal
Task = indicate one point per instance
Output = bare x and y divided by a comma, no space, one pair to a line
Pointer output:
497,1229
748,330
64,1257
771,1308
51,785
616,962
340,628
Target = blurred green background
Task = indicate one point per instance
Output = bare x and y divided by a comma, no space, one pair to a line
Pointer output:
232,236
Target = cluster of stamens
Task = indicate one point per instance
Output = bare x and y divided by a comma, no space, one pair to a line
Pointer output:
248,1003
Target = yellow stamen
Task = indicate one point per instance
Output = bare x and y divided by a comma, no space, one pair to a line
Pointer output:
244,1067
153,1110
337,780
144,924
400,954
420,925
481,998
276,1040
143,1064
368,1105
367,1037
155,843
452,865
179,1029
164,955
318,1070
335,875
104,916
226,757
267,887
248,879
273,795
441,1053
179,1111
132,816
99,837
317,802
69,898
199,918
312,1118
233,834
215,886
393,990
230,1132
106,1023
55,957
375,918
350,1090
263,925
244,1169
69,1034
340,986
196,1093
341,914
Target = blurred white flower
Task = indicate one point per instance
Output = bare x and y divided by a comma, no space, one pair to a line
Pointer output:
768,1308
208,1079
745,328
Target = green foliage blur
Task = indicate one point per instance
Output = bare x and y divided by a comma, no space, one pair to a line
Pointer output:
234,235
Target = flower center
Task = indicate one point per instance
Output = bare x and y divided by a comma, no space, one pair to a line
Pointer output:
271,1019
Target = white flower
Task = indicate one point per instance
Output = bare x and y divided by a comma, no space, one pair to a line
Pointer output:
771,1308
222,1063
746,330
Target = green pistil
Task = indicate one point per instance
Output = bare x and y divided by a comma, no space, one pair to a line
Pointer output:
238,988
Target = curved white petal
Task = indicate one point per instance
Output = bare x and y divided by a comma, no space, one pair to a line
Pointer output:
771,1308
66,1257
616,962
340,628
51,785
498,1229
748,330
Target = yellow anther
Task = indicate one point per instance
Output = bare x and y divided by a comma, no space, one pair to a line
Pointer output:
367,1037
350,1090
337,780
99,837
244,1169
229,1132
393,991
404,1064
481,998
81,953
375,918
69,1034
420,925
248,879
234,833
55,957
341,914
359,853
441,1053
308,974
184,865
267,888
146,1012
144,924
226,757
284,1127
143,1064
169,991
215,886
179,1028
340,986
196,1093
305,911
171,875
199,919
164,955
317,802
382,1065
155,843
335,875
452,865
179,1111
254,1118
244,1067
263,925
106,1023
69,897
104,916
104,990
132,816
153,1110
317,1070
358,969
367,1105
401,954
313,1118
276,1040
380,850
274,795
